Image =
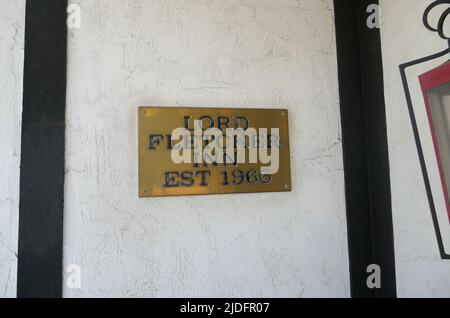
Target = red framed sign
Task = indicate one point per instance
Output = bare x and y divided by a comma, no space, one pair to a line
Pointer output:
436,92
435,86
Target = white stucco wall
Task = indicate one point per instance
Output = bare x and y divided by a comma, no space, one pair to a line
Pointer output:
420,271
12,21
251,53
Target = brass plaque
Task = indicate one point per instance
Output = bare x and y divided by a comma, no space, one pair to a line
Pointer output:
160,175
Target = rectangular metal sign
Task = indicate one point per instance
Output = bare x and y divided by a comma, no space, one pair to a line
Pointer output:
189,151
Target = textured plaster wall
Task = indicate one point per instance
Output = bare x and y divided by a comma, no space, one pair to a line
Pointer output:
420,271
12,22
248,53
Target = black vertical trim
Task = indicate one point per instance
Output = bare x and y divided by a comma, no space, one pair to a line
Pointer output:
42,155
366,162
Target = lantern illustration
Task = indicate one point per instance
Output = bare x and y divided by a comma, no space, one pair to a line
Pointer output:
435,85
